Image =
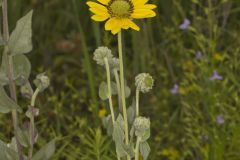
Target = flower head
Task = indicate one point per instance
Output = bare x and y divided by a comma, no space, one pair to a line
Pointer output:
144,82
216,76
220,119
119,13
175,89
101,53
42,81
186,23
142,123
114,63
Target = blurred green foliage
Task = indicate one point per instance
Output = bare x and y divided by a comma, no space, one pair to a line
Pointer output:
184,125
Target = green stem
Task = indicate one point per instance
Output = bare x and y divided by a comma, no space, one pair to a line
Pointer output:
137,149
110,93
118,88
120,52
10,74
32,121
34,97
109,89
137,102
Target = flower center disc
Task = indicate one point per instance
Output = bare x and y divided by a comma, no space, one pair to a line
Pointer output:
120,8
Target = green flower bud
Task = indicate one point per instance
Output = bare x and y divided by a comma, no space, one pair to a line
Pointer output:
142,123
26,90
142,128
114,63
144,82
101,53
42,82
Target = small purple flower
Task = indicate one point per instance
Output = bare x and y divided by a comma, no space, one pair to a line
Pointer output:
198,55
216,76
186,23
220,119
175,89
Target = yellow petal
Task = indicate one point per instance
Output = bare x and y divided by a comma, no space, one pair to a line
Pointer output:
132,25
96,6
116,30
139,2
99,18
146,6
105,2
143,13
111,24
99,12
124,23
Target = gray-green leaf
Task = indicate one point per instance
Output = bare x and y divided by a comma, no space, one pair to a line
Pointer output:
7,153
144,150
107,123
3,78
127,91
20,41
103,91
45,152
118,133
22,136
6,103
21,69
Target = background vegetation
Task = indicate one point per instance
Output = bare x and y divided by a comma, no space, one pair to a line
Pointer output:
198,119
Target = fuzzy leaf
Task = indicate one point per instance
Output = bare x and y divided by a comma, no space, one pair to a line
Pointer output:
107,123
7,153
144,150
6,103
45,152
127,91
21,69
3,78
118,133
22,136
20,41
103,91
131,114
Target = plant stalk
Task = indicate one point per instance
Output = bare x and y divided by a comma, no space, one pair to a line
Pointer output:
137,149
12,86
118,88
120,52
109,89
137,102
32,125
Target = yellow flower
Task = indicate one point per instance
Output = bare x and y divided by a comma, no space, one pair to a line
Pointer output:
218,57
171,153
120,13
102,113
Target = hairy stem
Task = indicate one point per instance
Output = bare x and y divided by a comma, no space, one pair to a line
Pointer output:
110,93
109,89
137,102
118,88
137,149
12,86
120,52
32,125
